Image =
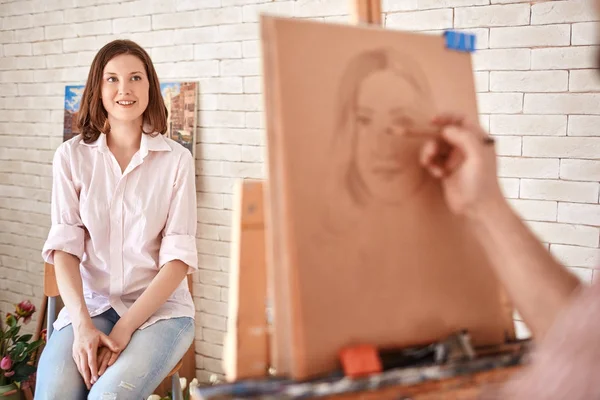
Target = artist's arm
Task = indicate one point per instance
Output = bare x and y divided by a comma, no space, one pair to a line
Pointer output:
177,258
539,286
64,248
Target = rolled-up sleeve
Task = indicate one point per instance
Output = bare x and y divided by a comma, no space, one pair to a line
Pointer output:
67,232
179,234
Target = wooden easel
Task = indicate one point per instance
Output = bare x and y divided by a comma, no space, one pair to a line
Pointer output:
249,337
366,12
247,350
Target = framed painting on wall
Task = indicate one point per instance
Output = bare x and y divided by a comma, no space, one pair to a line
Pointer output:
180,100
72,103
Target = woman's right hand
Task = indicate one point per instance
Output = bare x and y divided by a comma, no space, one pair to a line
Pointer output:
464,159
88,339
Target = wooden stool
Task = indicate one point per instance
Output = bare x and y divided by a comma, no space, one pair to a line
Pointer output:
51,292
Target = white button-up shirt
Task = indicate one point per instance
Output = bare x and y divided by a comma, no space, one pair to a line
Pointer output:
125,226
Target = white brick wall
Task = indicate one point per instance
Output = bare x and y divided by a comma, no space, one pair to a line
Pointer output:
538,94
529,81
421,20
584,33
530,36
546,189
544,125
584,81
510,15
583,125
587,214
575,57
557,12
583,170
520,167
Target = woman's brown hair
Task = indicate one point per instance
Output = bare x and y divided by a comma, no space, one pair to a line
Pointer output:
93,118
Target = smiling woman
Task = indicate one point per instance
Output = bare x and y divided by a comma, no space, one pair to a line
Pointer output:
120,99
122,239
121,71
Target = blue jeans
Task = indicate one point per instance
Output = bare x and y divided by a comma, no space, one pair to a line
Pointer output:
148,358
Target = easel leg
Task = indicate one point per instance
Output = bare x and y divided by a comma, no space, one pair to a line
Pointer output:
366,12
246,353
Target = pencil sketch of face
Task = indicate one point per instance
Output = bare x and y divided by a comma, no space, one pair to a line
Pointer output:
388,100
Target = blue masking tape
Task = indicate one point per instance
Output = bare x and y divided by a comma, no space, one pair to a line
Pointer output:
460,41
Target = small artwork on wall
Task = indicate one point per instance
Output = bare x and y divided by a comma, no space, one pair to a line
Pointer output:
180,99
72,102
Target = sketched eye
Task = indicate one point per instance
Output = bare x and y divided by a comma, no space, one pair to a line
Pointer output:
363,120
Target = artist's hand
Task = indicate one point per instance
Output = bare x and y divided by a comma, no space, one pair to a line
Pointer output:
121,335
464,159
87,340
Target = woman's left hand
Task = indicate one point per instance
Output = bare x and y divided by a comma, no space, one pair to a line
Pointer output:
121,335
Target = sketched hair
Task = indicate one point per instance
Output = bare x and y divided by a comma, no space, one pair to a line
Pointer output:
358,69
93,118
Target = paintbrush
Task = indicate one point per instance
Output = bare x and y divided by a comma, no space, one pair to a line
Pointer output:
435,132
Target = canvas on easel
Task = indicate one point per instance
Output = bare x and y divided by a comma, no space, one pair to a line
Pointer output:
361,247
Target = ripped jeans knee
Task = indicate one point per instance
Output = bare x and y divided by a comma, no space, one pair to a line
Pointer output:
111,391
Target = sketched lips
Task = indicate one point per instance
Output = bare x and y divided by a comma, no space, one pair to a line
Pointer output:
388,169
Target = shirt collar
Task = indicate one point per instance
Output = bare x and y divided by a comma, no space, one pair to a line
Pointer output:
100,143
148,143
153,143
